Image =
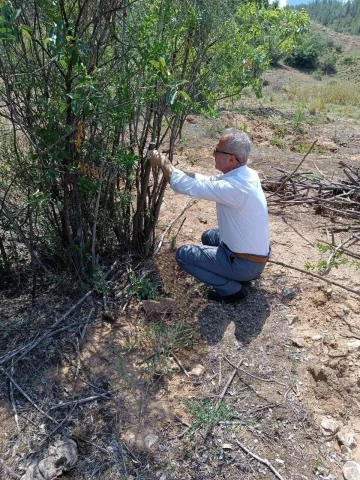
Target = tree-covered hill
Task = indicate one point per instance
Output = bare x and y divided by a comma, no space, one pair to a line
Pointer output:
334,14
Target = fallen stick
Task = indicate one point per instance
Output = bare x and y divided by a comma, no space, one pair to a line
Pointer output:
223,393
30,346
179,363
27,397
13,400
58,426
8,469
228,383
332,282
261,460
334,251
189,203
80,401
267,380
294,171
342,250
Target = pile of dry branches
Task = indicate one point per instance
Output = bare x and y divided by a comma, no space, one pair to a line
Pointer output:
330,196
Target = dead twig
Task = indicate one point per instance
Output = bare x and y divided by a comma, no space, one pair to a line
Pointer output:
182,421
81,401
16,385
319,277
58,426
30,346
82,334
8,469
264,461
179,363
268,380
189,203
13,400
296,231
294,171
228,383
334,251
223,393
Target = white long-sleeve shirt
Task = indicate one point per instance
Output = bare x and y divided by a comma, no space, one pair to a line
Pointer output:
240,206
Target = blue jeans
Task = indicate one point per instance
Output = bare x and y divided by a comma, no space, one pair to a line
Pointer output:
216,265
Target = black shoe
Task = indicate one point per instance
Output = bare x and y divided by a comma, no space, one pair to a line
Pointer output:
236,297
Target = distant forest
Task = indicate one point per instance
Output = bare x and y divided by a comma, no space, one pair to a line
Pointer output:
342,17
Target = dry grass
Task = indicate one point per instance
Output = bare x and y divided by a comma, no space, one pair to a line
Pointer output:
331,92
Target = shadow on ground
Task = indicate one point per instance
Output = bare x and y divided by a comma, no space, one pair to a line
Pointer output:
249,317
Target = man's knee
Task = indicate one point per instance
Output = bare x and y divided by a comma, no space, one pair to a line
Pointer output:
205,237
181,254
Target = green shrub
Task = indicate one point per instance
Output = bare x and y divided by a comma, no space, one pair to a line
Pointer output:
308,51
339,48
349,60
318,75
328,64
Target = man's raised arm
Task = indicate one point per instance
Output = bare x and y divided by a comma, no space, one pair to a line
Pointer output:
158,160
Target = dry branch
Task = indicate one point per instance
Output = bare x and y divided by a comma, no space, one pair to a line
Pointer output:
31,345
80,401
331,197
334,251
267,380
295,170
188,204
261,460
13,400
319,277
17,386
223,393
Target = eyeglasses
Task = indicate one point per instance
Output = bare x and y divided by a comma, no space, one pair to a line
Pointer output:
227,153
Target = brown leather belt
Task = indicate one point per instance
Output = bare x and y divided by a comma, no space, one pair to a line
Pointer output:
252,258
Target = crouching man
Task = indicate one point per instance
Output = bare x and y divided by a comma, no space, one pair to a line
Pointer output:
238,250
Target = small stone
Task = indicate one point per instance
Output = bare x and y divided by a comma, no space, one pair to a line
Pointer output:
163,477
329,426
61,456
346,452
353,344
203,220
150,440
164,305
197,370
354,305
288,293
317,337
298,342
228,446
279,461
347,437
292,319
351,470
319,298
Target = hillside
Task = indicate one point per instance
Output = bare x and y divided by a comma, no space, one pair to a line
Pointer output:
343,17
181,388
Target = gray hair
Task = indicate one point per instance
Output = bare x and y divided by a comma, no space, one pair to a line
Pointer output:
238,143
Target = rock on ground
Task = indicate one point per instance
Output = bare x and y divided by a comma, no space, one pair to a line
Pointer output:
60,457
351,471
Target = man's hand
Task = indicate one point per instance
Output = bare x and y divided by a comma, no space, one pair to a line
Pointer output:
156,159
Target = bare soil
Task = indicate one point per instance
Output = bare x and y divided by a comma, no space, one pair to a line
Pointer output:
296,340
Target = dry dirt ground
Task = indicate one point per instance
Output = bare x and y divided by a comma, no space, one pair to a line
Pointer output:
161,399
